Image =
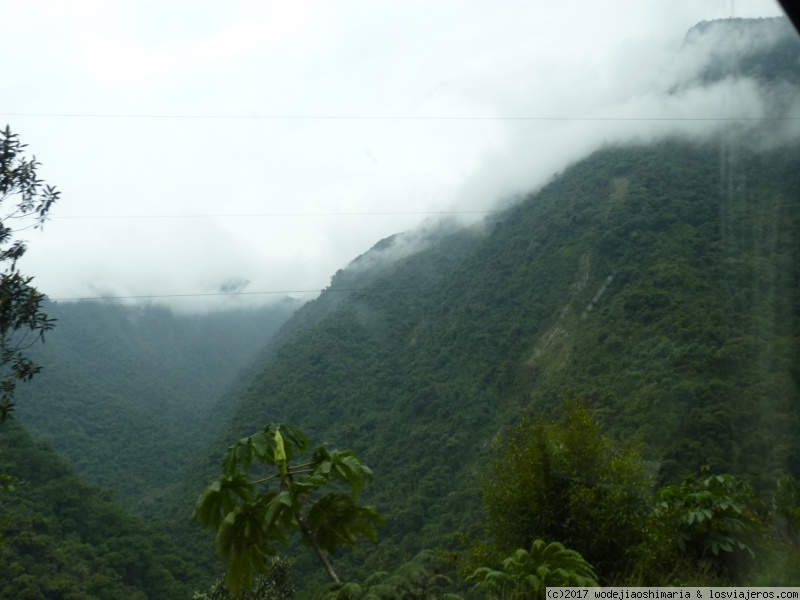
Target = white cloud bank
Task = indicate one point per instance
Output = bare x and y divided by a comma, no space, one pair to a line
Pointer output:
198,83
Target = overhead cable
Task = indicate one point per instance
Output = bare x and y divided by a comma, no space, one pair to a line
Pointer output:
144,297
377,117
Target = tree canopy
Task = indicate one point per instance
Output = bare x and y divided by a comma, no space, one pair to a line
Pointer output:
567,480
251,514
25,201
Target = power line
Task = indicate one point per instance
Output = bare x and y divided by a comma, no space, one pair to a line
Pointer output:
150,296
378,117
320,214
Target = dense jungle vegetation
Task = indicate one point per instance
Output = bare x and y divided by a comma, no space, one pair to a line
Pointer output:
127,384
140,381
633,280
601,380
64,538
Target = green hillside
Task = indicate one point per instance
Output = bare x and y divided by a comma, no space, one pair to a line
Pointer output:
64,539
655,281
658,281
125,391
654,286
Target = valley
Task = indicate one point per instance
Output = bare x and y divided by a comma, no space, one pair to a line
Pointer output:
595,365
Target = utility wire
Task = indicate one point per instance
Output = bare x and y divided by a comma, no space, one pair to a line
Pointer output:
380,117
320,214
238,293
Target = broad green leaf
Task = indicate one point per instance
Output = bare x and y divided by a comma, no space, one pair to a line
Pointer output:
244,545
308,485
295,441
220,498
348,467
262,449
280,451
336,520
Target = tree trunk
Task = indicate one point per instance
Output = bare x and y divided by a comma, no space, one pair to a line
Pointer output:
312,541
286,484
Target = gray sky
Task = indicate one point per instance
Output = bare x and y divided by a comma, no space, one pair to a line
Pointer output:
260,141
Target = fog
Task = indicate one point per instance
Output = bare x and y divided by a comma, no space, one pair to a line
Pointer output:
258,147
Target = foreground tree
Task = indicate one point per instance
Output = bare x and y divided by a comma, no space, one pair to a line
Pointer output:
566,480
421,578
22,323
251,513
712,524
529,574
278,586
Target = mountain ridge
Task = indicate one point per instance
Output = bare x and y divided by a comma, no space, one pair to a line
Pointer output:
608,246
656,281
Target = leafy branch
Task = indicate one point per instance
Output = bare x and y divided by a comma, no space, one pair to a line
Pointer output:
20,303
248,523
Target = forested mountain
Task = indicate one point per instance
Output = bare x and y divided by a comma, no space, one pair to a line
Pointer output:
634,279
63,538
656,280
653,283
762,49
126,390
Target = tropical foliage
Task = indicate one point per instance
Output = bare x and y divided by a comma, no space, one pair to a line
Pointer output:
714,522
249,517
22,322
528,574
653,285
567,480
132,393
631,280
278,586
64,539
786,507
421,578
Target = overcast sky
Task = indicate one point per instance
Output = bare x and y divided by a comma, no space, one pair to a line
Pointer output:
201,144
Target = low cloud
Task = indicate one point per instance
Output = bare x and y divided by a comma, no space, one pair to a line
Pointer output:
653,100
353,157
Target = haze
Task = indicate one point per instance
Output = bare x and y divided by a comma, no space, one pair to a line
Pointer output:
217,147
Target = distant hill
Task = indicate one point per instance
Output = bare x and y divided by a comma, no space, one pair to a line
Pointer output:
125,391
63,538
763,49
659,281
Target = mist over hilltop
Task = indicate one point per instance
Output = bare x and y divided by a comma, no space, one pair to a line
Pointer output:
278,158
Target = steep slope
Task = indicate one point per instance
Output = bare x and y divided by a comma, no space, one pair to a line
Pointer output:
635,279
63,538
658,280
125,391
